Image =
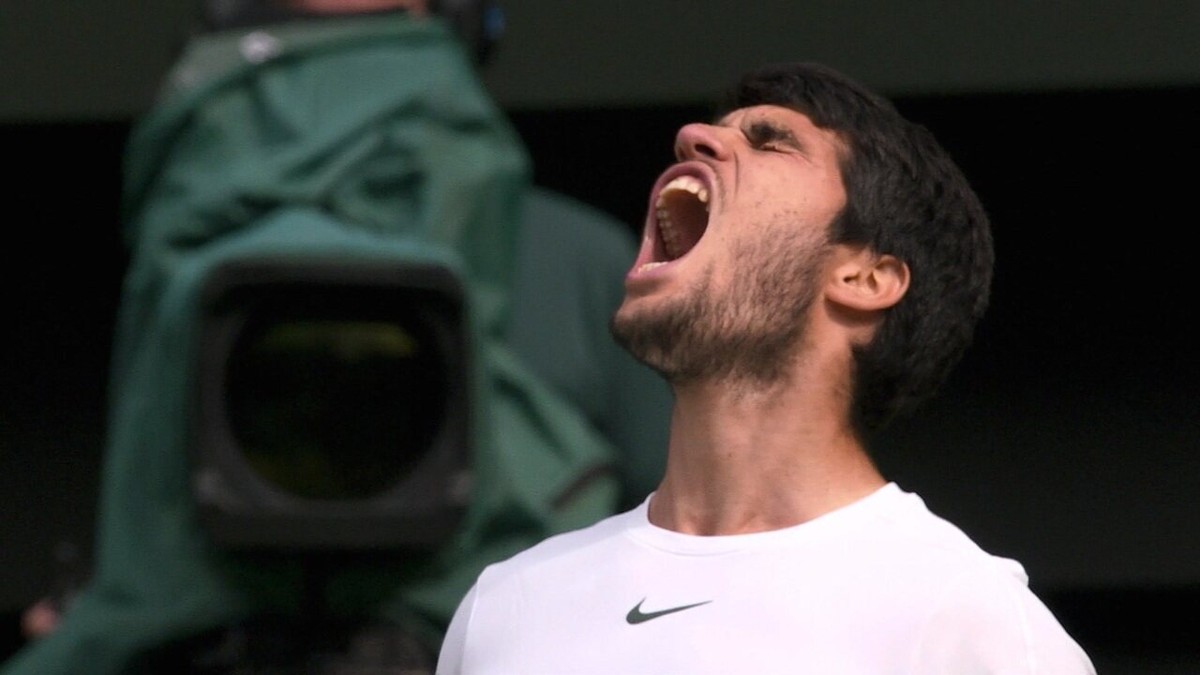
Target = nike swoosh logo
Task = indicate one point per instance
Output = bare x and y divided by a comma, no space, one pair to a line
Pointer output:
636,615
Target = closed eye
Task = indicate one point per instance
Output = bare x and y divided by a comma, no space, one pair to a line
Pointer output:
764,135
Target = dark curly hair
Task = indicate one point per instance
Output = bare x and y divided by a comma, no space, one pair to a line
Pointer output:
905,197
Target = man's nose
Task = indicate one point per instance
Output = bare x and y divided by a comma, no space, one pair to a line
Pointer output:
700,140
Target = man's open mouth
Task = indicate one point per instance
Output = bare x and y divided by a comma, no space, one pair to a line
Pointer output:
680,218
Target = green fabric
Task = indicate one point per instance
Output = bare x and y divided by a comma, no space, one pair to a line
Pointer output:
358,139
571,265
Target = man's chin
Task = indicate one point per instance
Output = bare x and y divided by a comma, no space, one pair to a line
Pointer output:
623,326
645,336
629,320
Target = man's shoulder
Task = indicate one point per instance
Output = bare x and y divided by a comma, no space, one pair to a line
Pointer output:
930,545
564,551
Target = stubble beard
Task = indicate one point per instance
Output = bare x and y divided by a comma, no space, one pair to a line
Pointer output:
748,335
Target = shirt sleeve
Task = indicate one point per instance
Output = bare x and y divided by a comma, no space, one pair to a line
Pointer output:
990,622
450,659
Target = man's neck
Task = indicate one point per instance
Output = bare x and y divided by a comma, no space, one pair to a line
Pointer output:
749,459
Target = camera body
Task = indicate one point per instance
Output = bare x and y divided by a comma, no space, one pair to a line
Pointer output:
333,405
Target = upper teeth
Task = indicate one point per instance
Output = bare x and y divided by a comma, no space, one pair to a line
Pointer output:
688,183
670,238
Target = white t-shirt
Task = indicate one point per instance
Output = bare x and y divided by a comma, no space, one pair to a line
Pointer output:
880,586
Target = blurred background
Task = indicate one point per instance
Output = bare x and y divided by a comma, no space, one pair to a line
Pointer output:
1068,439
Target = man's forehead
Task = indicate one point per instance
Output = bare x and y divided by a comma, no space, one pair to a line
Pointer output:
763,113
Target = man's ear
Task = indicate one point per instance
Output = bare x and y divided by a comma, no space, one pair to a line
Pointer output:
867,281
